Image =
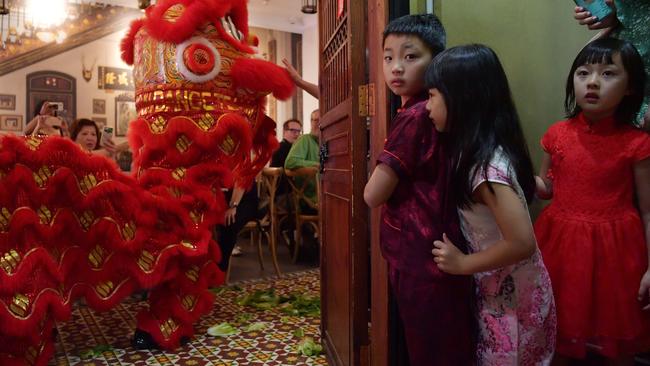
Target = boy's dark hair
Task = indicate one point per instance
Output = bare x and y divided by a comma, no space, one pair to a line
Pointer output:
79,124
601,51
481,117
285,125
427,27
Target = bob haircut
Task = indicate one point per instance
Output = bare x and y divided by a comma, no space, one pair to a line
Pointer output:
603,51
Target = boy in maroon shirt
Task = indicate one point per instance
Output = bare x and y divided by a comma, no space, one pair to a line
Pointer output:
411,181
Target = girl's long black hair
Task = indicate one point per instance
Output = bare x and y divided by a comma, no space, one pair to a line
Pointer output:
481,117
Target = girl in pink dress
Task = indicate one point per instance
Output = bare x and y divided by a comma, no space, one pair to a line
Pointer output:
470,102
593,235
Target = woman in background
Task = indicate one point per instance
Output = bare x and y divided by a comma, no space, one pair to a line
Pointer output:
86,133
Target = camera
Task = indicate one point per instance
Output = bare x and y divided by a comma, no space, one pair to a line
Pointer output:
55,107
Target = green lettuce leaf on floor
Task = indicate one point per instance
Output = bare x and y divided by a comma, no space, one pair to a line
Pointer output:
301,305
222,330
307,347
94,352
256,327
294,304
222,289
299,333
260,299
243,318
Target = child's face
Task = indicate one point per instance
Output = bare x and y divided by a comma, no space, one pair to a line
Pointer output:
406,59
437,109
599,88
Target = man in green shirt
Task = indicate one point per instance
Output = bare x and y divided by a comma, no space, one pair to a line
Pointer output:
304,154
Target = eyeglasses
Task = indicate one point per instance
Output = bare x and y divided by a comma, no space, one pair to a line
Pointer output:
295,130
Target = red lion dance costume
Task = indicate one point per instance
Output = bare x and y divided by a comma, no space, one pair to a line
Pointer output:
72,225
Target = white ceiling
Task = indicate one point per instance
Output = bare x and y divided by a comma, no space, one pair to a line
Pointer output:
282,15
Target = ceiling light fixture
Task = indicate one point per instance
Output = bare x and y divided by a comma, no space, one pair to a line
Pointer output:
143,4
309,6
4,10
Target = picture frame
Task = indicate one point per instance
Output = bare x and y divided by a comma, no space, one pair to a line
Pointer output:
8,102
101,122
11,123
99,106
124,113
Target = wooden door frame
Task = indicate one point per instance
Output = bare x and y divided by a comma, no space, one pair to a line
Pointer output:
380,292
357,236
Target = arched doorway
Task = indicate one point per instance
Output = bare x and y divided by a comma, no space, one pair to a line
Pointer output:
55,87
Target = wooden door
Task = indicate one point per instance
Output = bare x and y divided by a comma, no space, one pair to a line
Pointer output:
380,347
54,87
344,251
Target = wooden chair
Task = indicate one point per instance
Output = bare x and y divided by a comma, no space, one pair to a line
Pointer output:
270,182
298,195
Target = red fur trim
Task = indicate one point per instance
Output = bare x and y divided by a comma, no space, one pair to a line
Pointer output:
239,14
148,322
263,76
264,144
253,40
13,349
196,13
49,304
128,41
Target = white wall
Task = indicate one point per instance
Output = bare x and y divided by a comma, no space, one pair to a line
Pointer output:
107,52
284,109
310,60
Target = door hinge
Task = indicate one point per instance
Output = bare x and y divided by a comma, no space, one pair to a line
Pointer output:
367,100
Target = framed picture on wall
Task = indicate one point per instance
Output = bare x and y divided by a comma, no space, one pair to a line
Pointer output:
11,123
8,102
101,122
99,106
273,51
124,113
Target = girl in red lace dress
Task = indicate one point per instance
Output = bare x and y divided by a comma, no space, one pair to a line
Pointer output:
594,236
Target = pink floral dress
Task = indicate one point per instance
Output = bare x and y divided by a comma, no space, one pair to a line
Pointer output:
516,311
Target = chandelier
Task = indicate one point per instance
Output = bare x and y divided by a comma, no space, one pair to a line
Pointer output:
45,16
42,19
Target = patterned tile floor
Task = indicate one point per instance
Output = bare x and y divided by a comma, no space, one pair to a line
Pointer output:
109,333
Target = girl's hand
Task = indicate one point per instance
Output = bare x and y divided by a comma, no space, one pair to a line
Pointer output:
543,185
644,290
584,17
230,215
448,257
541,189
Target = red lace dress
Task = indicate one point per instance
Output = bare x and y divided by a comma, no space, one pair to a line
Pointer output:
592,239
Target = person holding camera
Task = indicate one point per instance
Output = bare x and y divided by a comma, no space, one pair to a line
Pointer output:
46,122
85,132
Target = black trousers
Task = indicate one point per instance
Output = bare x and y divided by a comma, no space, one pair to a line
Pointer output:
226,236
